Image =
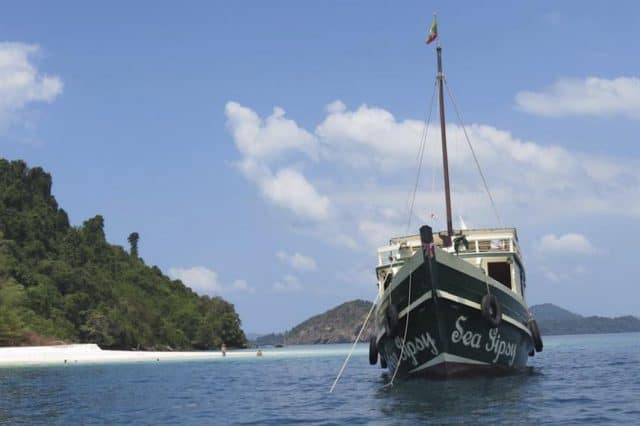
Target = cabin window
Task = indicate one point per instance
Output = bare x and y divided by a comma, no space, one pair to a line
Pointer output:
501,272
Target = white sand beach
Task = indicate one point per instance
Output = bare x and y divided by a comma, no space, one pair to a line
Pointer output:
92,354
77,354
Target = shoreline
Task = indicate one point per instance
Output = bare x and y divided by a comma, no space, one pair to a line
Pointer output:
89,353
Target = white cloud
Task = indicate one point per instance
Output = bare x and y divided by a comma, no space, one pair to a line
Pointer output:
257,138
591,96
378,233
566,244
241,286
548,175
262,142
199,278
290,189
297,261
20,81
367,168
204,281
550,275
363,276
373,140
567,275
336,107
368,137
288,284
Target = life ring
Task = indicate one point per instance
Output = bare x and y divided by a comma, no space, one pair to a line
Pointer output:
535,335
373,351
491,310
391,320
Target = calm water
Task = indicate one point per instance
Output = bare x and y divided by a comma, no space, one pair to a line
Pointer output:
576,380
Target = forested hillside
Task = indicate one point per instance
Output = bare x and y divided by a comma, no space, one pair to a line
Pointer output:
59,282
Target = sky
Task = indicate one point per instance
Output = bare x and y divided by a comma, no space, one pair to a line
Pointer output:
263,150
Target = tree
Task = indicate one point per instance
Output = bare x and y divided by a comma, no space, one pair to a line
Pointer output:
133,240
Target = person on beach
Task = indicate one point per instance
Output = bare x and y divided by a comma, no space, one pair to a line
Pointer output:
223,349
259,353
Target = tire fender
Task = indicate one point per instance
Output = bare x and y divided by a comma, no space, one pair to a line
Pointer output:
373,351
391,320
383,362
491,310
535,335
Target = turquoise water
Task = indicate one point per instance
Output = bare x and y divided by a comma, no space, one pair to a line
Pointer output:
576,380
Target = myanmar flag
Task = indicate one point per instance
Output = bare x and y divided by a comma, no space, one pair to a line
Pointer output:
433,32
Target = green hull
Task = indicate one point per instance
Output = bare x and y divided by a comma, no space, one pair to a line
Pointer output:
438,299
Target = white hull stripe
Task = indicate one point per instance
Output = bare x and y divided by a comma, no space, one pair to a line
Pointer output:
419,301
471,304
445,357
457,299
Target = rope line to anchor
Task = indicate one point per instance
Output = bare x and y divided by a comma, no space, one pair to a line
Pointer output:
346,361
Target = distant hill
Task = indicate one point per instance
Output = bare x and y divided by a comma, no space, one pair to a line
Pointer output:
551,312
252,336
338,325
342,323
555,320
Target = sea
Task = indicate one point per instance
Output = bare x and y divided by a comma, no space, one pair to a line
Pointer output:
587,379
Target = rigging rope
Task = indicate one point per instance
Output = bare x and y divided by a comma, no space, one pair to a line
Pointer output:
434,168
423,143
473,153
344,365
404,338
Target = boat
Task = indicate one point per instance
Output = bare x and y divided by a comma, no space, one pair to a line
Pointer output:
452,303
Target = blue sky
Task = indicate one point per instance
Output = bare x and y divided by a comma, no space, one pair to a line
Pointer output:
263,150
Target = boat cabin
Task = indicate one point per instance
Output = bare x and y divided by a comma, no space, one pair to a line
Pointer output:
495,251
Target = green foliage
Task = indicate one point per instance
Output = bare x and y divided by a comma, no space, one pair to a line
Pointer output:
12,297
59,282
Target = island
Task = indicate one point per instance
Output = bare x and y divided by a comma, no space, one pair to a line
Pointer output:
342,324
66,284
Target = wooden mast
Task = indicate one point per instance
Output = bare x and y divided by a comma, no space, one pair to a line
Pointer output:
445,159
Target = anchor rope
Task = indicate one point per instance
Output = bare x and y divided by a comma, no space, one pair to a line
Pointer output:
404,338
473,153
346,361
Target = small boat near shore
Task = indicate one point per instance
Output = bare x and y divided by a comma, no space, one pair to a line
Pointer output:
452,303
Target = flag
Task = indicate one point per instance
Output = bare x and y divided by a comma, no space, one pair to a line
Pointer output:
433,31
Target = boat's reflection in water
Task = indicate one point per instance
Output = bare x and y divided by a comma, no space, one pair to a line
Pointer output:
511,398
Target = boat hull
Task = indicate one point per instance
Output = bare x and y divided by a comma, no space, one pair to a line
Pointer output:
441,331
